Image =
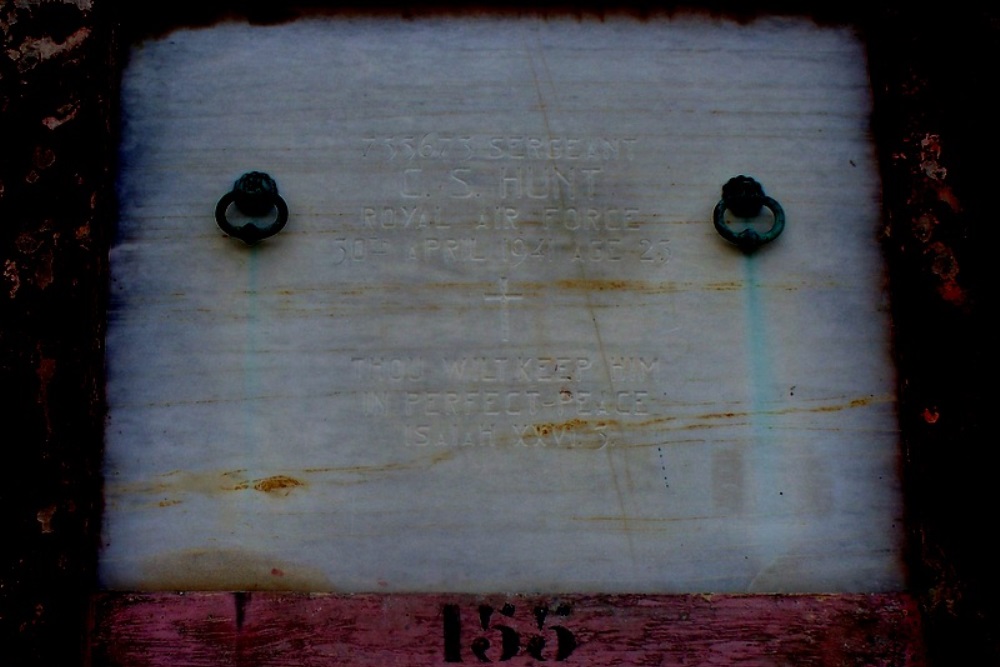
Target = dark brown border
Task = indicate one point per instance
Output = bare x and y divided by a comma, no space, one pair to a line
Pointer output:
934,125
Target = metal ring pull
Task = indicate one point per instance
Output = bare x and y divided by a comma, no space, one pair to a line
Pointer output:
255,194
745,198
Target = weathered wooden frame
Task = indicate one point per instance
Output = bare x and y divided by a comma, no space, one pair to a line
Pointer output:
57,209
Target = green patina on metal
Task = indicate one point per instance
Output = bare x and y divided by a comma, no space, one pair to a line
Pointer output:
744,197
255,194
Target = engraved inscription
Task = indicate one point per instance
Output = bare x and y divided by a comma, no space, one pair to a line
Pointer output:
504,204
452,148
479,247
514,401
498,199
503,297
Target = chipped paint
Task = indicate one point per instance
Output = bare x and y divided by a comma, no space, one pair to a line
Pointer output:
930,156
44,517
11,274
287,630
38,50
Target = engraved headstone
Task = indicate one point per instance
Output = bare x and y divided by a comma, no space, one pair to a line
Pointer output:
499,345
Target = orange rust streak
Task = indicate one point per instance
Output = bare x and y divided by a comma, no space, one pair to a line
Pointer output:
699,421
179,481
276,483
571,425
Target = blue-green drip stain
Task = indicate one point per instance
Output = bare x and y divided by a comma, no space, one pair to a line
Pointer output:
760,386
757,347
251,355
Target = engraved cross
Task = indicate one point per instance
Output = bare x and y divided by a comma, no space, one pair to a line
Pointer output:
503,298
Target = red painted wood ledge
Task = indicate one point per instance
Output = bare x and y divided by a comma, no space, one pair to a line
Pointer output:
275,629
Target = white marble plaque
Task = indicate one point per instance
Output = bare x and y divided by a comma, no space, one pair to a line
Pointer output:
499,346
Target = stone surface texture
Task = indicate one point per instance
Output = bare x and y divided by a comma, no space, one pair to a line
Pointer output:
58,83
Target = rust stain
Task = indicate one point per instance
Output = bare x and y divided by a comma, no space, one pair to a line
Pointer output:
723,415
168,489
596,285
702,425
276,483
655,421
714,419
175,482
571,425
836,407
855,403
730,286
